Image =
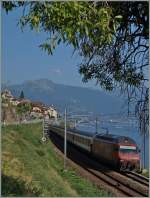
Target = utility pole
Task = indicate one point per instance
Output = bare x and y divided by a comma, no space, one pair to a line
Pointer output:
144,152
43,138
75,124
65,140
96,131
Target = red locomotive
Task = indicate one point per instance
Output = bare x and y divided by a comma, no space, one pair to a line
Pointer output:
118,151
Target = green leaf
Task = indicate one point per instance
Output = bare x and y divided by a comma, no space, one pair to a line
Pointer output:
86,31
59,40
118,17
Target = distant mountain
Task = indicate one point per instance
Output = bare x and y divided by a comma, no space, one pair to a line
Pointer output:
78,99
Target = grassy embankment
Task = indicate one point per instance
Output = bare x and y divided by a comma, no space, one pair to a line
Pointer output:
146,174
31,168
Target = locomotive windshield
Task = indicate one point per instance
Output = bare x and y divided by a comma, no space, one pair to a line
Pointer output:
128,149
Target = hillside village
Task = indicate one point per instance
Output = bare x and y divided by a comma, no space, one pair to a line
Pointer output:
12,109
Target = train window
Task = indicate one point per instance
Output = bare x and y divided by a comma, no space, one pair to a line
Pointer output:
125,150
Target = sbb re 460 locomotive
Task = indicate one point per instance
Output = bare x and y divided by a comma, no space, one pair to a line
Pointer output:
118,151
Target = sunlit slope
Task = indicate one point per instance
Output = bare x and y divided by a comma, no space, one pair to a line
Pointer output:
31,168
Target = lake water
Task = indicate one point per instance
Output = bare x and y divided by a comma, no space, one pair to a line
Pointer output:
129,129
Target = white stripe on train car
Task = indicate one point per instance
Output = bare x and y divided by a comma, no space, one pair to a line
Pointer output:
82,145
84,136
128,147
75,142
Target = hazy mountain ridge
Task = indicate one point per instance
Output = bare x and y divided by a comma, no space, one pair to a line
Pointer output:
76,98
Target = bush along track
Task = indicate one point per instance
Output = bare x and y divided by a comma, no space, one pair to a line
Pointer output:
32,168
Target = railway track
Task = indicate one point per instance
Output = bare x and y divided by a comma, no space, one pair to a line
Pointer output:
125,184
118,184
138,177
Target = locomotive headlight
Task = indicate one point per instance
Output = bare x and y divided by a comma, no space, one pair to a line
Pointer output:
122,161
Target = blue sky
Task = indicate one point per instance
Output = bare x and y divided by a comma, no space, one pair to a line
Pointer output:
22,59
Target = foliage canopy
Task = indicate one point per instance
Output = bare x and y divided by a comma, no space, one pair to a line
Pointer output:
112,38
23,108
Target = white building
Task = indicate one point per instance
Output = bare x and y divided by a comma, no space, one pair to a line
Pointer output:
6,94
52,112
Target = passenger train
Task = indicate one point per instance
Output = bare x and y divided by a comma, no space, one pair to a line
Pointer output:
118,151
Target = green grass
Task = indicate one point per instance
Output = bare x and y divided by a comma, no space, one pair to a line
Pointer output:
146,174
32,168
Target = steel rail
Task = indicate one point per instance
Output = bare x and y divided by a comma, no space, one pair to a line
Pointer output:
117,184
138,178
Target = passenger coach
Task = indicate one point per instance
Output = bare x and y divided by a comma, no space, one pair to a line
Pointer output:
118,151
